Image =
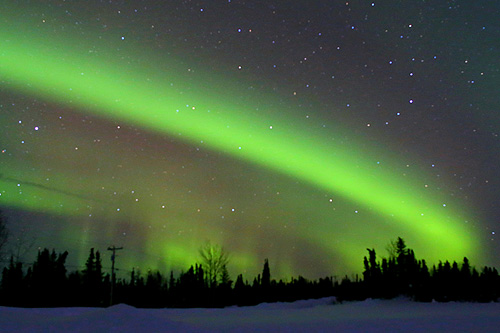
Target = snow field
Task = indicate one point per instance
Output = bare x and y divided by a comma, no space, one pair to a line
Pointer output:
312,315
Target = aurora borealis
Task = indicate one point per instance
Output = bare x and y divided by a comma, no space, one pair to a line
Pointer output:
302,134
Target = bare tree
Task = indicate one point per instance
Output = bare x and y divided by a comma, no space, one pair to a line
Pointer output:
214,259
392,249
21,244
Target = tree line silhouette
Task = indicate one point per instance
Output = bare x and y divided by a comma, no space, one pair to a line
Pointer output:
402,274
47,283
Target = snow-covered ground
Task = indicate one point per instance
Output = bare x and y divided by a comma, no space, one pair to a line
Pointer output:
312,315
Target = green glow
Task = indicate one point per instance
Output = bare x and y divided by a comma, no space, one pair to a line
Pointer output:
171,103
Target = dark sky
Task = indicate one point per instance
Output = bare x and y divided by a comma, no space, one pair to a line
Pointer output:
299,131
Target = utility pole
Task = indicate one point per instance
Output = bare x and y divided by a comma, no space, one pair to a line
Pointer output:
113,278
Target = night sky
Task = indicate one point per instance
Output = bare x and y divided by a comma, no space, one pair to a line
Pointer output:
299,131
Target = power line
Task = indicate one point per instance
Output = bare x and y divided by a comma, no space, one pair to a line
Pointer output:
48,188
113,277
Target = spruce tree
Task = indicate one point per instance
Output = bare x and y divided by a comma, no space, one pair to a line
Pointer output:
225,279
13,284
93,283
266,275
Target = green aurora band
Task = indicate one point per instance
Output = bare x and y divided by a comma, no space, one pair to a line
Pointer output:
112,81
